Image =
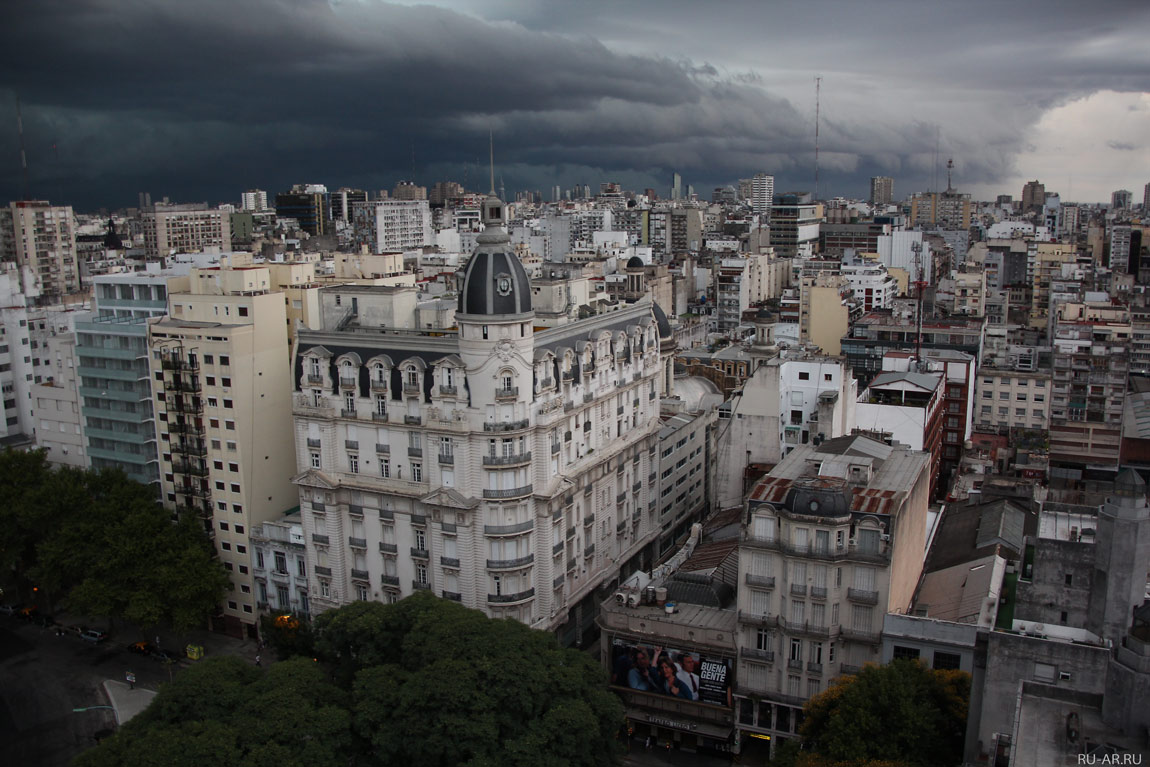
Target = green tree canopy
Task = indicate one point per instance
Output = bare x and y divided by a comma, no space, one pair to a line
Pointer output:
98,543
902,713
423,682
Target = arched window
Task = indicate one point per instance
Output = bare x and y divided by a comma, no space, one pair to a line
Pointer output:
379,373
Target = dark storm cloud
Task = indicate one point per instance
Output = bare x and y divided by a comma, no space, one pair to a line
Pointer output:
202,98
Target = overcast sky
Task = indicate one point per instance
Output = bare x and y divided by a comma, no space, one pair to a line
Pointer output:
201,99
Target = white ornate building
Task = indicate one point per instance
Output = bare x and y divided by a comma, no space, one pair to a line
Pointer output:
506,466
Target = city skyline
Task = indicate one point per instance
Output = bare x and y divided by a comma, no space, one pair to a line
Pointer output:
206,99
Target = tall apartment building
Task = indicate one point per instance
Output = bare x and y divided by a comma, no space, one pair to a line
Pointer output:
190,228
343,202
385,225
448,190
826,308
1091,362
56,401
220,363
308,205
409,190
742,281
940,210
870,283
881,190
503,466
114,369
879,332
795,227
1012,399
1033,196
43,238
762,195
832,540
279,563
254,200
1123,199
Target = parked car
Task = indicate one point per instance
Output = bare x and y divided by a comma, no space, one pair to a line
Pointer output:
142,648
75,630
94,636
10,609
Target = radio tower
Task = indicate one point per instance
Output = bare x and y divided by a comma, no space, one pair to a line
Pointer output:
818,85
920,286
23,153
949,168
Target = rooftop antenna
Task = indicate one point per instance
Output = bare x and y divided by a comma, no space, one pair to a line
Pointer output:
23,153
949,168
818,86
491,140
920,285
934,183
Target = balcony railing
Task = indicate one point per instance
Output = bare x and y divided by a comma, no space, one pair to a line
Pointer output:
389,580
763,656
848,668
795,665
314,442
351,444
415,452
381,448
449,562
508,392
454,596
378,385
814,668
505,425
507,460
314,378
761,581
447,459
360,575
557,548
410,388
378,416
798,589
506,598
510,564
515,492
321,539
420,585
357,543
862,596
818,592
450,391
323,571
515,529
347,382
412,420
589,551
346,412
855,635
419,553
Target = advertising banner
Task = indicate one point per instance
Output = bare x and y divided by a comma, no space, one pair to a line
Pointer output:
670,671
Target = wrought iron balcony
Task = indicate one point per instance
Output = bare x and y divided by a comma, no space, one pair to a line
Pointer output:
388,548
447,459
507,392
450,391
763,656
314,442
506,425
515,492
321,539
507,460
351,444
510,564
415,452
357,543
761,581
389,580
449,562
360,575
347,382
506,598
412,420
863,596
419,553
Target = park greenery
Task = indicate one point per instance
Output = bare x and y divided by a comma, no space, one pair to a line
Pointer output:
98,544
903,714
421,682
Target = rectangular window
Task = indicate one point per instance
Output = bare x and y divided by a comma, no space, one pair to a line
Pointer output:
906,653
225,382
281,562
417,472
947,660
384,468
796,649
353,463
421,573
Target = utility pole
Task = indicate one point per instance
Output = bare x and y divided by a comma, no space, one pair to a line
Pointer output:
920,285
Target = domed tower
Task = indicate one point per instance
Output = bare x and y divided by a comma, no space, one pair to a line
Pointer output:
636,279
764,347
495,318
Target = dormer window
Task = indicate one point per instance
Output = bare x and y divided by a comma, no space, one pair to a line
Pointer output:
449,377
412,377
313,366
379,373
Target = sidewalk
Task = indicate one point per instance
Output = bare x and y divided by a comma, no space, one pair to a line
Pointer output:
126,702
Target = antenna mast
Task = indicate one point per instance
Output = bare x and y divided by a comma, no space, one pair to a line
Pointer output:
818,85
23,154
949,168
491,140
920,285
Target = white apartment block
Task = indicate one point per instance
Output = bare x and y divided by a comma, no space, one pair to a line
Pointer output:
254,200
56,399
44,239
510,468
1014,399
870,284
789,400
833,540
222,398
762,195
191,228
386,225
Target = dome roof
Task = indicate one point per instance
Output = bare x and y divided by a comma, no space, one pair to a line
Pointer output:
634,262
494,281
822,496
661,321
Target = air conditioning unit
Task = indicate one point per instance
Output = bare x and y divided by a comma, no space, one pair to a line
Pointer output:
632,600
620,597
884,537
